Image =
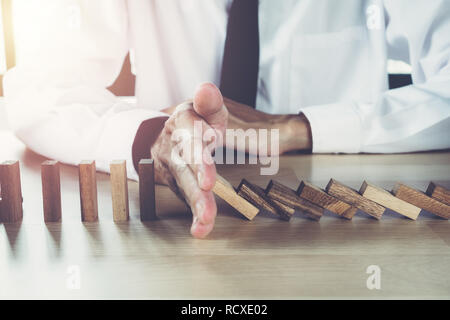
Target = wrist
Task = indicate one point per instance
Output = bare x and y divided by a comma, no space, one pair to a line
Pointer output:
296,133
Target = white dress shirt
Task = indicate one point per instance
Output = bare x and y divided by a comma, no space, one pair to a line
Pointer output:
325,58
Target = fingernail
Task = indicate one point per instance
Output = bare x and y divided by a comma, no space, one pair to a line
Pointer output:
199,208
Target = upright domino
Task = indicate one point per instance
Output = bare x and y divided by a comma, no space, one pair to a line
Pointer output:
88,191
225,190
51,191
147,189
287,196
119,190
316,195
11,190
352,197
421,200
387,200
439,193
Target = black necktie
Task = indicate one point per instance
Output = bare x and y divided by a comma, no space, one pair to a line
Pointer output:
239,80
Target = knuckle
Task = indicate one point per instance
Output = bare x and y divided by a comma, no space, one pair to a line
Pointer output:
183,107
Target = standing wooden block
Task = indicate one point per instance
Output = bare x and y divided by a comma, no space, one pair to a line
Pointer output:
316,195
352,197
51,191
256,196
225,190
88,191
119,190
387,200
283,194
439,193
421,200
147,189
11,204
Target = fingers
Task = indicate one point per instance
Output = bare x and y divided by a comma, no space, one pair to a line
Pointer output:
191,145
185,155
208,103
202,202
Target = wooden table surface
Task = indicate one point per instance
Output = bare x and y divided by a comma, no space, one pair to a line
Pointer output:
265,258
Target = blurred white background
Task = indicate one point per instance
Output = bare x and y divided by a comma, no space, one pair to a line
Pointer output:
26,32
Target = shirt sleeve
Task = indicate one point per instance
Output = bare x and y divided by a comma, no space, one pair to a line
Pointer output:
56,97
408,119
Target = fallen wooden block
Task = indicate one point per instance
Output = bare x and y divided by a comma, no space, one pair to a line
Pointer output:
287,196
439,193
286,208
256,196
119,190
387,200
421,200
147,189
51,191
88,191
11,190
317,196
352,197
225,190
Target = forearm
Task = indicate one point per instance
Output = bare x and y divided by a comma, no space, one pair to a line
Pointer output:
294,130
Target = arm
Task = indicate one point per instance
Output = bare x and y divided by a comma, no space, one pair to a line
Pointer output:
294,130
413,118
56,97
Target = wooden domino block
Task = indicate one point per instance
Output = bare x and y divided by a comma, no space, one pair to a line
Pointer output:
88,191
147,189
225,190
352,197
119,190
51,191
316,195
421,200
290,211
287,196
387,200
439,193
256,196
11,189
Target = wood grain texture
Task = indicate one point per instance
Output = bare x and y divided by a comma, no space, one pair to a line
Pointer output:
11,190
316,195
439,193
256,196
286,195
387,200
51,191
119,190
421,200
147,197
264,259
225,191
289,210
352,197
88,191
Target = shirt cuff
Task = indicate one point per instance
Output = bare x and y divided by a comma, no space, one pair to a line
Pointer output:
335,128
118,137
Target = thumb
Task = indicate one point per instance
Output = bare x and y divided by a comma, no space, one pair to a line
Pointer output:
208,103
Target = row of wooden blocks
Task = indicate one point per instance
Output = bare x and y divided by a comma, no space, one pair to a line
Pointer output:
248,199
11,209
282,201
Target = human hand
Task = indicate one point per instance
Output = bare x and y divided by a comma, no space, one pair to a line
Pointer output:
192,175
